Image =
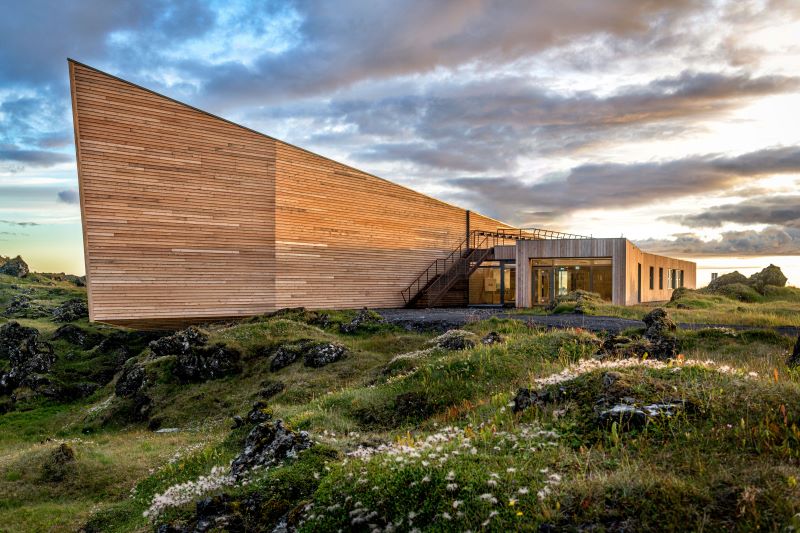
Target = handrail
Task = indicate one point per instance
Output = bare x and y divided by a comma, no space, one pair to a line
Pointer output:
435,273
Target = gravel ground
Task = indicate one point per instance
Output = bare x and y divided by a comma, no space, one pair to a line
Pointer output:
444,319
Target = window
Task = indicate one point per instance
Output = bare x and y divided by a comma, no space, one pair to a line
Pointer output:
652,278
681,279
661,278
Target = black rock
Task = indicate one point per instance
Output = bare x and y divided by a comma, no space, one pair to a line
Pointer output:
238,422
73,309
794,358
271,388
132,380
76,335
207,362
454,339
660,332
12,336
65,392
26,355
658,322
315,354
268,444
287,354
260,412
21,306
16,267
626,417
526,398
324,353
492,338
365,320
180,343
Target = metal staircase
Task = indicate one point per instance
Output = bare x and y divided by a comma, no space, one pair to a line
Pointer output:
434,283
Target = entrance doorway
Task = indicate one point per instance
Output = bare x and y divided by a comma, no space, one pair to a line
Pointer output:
494,283
554,278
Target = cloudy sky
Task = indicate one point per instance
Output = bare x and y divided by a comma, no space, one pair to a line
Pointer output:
675,123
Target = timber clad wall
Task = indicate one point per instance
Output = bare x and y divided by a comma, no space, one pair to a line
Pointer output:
187,215
635,256
624,260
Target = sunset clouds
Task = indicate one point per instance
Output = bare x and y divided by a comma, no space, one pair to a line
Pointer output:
673,122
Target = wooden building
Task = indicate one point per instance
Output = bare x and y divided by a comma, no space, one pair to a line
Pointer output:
190,217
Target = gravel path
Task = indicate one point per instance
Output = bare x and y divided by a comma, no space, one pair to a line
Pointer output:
443,319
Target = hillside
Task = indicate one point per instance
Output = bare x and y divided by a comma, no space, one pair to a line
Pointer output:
327,421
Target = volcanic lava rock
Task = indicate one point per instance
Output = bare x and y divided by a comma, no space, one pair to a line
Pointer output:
271,388
180,343
26,355
207,362
16,267
287,354
132,380
492,338
324,353
73,309
268,444
260,412
454,339
526,398
660,332
626,416
365,320
771,275
315,354
727,279
76,335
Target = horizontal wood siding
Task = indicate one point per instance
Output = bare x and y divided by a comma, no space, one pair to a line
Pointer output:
189,216
346,239
624,260
635,256
178,206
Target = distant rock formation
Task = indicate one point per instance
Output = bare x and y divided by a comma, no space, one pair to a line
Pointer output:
770,276
16,267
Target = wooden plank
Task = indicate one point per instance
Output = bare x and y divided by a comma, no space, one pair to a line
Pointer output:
187,215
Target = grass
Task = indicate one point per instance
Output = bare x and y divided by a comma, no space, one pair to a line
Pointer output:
779,306
429,440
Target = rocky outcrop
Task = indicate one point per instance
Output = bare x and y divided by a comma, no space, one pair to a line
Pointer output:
73,309
203,363
180,343
660,333
16,267
324,353
267,445
76,335
454,339
365,321
770,276
492,338
733,284
25,353
628,416
21,306
727,279
132,380
315,354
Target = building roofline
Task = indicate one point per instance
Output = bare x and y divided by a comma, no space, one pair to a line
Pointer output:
262,134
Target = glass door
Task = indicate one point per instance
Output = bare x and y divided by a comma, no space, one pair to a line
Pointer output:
542,285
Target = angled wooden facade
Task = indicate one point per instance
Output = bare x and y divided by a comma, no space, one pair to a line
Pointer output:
189,216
